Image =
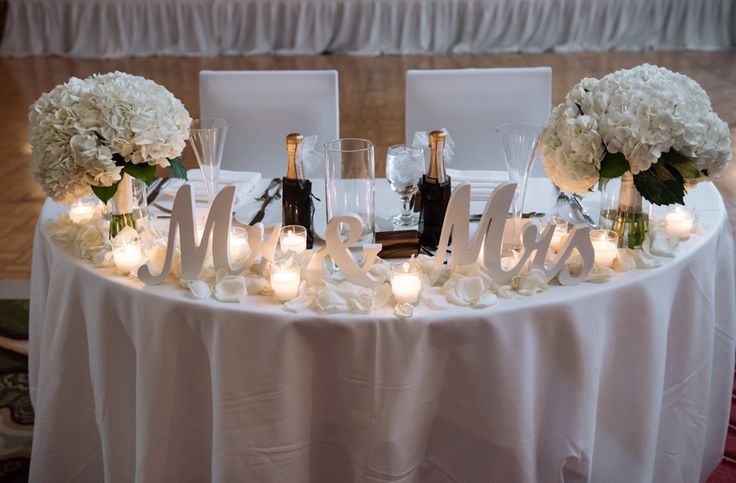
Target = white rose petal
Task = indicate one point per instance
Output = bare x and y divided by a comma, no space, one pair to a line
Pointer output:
230,288
200,289
404,311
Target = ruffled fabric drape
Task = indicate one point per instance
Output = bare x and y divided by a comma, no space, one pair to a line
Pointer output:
113,28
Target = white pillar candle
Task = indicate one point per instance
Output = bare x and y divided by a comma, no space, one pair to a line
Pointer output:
293,238
405,283
605,244
679,221
127,256
285,278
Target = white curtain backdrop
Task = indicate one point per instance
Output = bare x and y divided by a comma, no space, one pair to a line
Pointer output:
113,28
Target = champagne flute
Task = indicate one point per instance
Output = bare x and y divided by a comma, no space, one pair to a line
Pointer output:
207,138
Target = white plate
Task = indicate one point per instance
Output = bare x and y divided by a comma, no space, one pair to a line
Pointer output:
250,206
166,200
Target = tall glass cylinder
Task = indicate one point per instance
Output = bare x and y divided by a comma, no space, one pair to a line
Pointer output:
519,143
350,182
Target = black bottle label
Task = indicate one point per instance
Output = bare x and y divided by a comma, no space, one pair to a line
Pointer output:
298,206
434,199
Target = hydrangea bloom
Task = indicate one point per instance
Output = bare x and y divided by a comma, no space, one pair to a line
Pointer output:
77,128
640,113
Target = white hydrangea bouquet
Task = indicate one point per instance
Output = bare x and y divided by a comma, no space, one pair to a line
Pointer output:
653,127
89,135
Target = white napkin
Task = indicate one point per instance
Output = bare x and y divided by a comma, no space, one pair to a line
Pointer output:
244,182
482,182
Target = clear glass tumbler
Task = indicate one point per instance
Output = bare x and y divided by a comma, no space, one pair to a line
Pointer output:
350,182
404,169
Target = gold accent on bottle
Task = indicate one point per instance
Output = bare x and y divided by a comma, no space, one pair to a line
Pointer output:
437,170
294,170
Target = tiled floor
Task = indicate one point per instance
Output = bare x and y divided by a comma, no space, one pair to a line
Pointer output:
371,106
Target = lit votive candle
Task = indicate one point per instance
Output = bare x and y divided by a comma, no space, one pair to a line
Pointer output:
293,238
238,241
285,278
605,244
83,210
127,256
679,221
405,282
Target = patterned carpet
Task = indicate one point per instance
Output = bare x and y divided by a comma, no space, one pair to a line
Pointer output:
16,413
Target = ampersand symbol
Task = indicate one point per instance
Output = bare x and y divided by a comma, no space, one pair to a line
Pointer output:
339,250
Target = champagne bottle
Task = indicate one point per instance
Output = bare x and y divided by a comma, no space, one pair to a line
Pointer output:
297,207
435,189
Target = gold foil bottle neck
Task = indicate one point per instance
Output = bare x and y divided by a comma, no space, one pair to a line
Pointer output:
437,157
294,169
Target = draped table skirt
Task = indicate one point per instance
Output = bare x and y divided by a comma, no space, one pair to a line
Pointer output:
624,381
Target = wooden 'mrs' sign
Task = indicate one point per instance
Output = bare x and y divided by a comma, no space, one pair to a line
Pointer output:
490,229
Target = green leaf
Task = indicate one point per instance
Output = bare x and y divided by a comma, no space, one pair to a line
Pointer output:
661,184
613,165
104,193
176,165
143,171
681,163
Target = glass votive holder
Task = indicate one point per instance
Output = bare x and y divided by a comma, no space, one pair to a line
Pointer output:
293,238
238,243
285,279
84,209
126,253
679,220
406,283
605,244
559,237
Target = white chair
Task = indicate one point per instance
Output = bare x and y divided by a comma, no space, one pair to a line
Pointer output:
471,103
263,107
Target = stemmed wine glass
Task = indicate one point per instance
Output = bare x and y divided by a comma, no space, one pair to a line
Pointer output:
207,137
404,169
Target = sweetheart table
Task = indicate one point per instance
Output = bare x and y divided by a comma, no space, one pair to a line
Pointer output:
624,381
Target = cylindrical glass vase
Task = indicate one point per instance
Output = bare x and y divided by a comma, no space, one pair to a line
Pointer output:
624,211
349,182
121,207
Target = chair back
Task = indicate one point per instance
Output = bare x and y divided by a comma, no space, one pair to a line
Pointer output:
471,103
263,107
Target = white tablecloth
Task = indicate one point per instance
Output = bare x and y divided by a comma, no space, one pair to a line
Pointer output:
116,28
627,381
